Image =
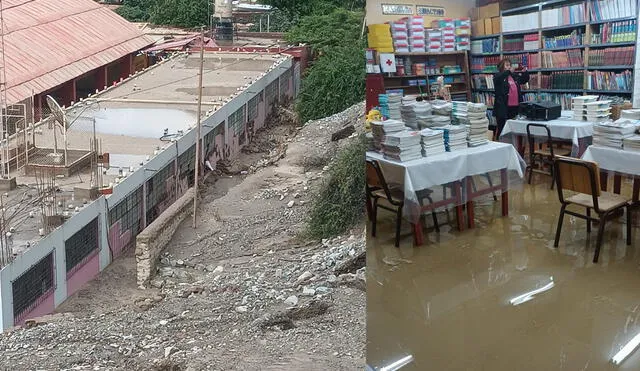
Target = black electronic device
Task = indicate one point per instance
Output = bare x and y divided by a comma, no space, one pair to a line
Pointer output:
540,111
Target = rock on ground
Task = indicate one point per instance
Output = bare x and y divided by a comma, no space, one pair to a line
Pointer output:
220,300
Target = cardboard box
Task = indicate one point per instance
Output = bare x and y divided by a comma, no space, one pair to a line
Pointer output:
477,28
496,24
488,26
474,14
489,11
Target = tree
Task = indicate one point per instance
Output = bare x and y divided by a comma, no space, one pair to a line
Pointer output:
338,28
334,82
181,13
136,10
279,21
302,8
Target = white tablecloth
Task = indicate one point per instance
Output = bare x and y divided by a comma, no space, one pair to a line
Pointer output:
561,128
429,172
611,159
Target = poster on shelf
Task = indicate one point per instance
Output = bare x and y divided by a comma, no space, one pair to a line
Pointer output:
388,62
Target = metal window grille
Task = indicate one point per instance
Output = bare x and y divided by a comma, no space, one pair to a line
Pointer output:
81,244
32,285
284,79
158,191
252,106
272,93
128,212
186,165
237,121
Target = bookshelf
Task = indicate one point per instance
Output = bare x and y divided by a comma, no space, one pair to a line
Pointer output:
569,47
412,83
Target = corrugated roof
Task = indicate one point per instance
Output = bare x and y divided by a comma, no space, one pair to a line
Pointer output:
49,42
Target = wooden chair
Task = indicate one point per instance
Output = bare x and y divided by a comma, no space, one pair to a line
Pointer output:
583,177
393,199
543,156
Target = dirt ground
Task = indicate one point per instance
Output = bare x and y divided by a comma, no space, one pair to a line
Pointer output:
242,291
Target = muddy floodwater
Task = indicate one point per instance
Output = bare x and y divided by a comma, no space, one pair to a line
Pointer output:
500,297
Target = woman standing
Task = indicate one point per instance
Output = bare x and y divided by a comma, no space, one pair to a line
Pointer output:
507,93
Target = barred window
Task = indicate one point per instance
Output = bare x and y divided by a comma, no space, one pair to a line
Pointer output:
284,82
128,211
272,93
158,191
186,165
32,285
81,244
237,120
252,106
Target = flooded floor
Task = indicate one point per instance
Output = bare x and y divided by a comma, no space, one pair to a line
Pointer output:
500,297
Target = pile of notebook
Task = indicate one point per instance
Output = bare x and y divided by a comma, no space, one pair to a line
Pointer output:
441,107
402,146
459,111
631,114
589,108
612,134
478,124
455,137
416,115
390,105
380,130
631,143
432,142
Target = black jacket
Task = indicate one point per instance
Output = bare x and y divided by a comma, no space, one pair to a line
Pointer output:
501,86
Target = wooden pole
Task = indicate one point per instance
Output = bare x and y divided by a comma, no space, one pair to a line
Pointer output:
199,125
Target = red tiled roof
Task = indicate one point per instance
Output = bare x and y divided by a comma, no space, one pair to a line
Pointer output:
49,42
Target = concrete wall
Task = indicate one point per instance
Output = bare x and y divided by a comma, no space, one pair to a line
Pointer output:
452,9
112,240
151,241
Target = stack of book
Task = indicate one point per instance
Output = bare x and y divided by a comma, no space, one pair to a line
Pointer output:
612,134
478,124
370,142
438,121
400,35
630,114
620,56
569,14
563,59
578,105
394,101
575,38
441,107
563,80
631,143
417,38
455,137
531,42
380,130
402,146
611,9
615,32
598,111
610,81
485,46
432,142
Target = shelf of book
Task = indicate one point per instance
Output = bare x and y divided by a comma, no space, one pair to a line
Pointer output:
609,42
484,37
561,48
485,54
609,91
623,19
552,69
564,27
610,45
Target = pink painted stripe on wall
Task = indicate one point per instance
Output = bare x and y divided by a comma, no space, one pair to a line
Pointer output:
46,306
86,273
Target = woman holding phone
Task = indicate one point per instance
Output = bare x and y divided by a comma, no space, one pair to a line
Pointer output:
507,93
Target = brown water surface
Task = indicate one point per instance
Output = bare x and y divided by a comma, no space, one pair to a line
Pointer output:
456,303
